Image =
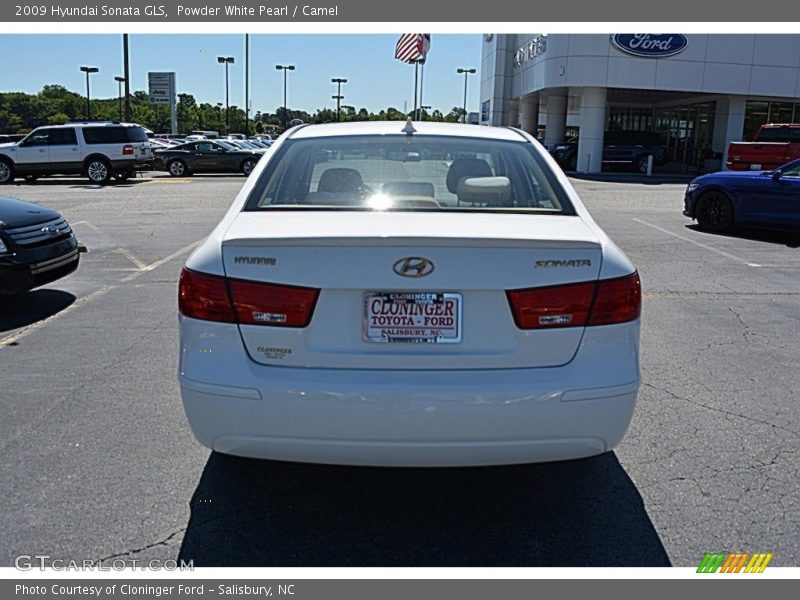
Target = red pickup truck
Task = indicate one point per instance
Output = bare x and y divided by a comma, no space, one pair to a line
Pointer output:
775,144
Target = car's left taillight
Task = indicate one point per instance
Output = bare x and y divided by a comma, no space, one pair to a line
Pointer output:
205,297
216,298
127,149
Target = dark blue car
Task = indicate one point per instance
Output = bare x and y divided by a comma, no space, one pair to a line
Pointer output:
759,198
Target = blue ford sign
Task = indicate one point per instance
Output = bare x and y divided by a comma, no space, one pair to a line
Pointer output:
650,45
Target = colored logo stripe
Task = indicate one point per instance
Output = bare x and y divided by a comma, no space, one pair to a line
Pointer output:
758,563
734,562
711,562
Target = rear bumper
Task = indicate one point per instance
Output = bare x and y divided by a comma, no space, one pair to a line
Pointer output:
132,165
753,165
408,418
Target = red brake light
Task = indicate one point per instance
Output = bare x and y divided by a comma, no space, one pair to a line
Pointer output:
127,149
617,300
215,298
268,304
578,304
205,297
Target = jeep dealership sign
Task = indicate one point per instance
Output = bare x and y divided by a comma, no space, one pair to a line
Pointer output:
650,45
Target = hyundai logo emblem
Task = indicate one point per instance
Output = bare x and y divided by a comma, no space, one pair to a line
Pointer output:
413,266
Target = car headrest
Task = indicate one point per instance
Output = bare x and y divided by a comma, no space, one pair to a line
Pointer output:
466,167
340,181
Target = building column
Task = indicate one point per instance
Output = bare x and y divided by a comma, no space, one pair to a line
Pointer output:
728,124
556,117
513,113
529,114
593,125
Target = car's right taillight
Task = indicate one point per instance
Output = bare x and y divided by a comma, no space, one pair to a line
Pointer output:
216,298
603,302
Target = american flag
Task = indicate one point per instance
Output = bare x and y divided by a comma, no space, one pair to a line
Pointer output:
412,47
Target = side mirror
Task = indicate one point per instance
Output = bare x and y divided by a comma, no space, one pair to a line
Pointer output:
776,174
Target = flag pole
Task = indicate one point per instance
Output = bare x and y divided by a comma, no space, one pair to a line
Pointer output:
416,76
421,80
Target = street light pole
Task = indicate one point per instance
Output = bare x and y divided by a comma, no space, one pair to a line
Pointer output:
226,60
247,85
338,97
284,68
466,72
88,70
120,81
127,75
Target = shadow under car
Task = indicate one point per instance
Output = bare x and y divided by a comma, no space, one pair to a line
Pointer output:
587,512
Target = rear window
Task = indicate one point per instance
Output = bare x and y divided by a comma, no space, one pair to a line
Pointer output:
779,134
410,173
114,135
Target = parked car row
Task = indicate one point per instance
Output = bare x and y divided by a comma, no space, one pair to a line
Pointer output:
106,150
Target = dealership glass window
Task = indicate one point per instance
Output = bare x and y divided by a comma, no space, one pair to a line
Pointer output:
760,112
781,112
755,115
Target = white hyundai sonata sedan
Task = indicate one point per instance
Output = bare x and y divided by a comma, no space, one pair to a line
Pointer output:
417,294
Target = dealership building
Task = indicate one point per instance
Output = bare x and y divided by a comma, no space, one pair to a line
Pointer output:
697,91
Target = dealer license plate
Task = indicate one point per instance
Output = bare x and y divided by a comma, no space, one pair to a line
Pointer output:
412,317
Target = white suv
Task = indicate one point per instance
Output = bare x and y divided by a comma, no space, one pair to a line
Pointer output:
100,150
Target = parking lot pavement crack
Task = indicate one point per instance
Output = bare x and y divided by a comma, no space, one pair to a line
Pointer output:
747,333
133,551
721,410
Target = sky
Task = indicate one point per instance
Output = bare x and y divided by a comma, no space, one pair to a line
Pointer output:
376,79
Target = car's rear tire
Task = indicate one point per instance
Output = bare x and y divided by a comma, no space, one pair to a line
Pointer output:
124,175
177,168
248,166
714,212
98,171
6,171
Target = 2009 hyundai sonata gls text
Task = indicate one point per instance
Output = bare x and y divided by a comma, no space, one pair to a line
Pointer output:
409,295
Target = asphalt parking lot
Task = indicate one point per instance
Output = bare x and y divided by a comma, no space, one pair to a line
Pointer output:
97,460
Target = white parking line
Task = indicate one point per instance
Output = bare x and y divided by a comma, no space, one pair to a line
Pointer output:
25,331
700,244
130,256
89,225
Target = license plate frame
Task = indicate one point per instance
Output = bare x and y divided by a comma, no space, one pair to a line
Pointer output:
451,304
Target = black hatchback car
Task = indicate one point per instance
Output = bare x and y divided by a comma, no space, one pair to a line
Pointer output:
37,246
621,148
206,156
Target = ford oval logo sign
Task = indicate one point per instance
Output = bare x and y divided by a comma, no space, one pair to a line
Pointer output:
650,45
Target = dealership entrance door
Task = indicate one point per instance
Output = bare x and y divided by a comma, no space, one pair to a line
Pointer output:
687,128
